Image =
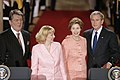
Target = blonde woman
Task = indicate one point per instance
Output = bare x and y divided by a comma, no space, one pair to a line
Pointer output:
47,56
75,51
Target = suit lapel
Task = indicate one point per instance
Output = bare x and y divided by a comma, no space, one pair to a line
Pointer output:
89,42
12,38
100,40
46,52
55,52
53,47
25,40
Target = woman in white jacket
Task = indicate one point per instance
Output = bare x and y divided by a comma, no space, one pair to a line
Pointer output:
47,57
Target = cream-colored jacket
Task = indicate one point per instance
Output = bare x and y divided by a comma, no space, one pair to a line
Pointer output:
48,64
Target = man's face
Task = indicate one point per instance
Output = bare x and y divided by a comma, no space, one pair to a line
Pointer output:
96,21
16,22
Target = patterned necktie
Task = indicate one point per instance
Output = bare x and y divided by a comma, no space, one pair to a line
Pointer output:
18,37
94,41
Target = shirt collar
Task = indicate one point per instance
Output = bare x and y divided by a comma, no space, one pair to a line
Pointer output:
99,30
15,32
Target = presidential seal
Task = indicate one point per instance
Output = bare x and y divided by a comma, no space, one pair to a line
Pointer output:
4,72
114,73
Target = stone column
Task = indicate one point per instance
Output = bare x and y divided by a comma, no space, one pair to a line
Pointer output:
1,15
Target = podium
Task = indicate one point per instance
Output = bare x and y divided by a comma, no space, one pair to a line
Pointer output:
98,74
20,73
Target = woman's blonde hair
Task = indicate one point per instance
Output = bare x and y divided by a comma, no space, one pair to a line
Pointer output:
43,33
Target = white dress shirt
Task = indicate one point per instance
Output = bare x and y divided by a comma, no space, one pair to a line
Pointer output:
98,34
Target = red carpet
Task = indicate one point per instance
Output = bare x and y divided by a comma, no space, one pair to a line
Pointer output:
59,20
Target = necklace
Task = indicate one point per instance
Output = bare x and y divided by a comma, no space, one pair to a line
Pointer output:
76,38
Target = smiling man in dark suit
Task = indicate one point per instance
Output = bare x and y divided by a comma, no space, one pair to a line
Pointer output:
106,50
14,49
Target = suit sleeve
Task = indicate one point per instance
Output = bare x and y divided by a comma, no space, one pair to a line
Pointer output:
27,44
34,62
114,49
1,50
62,65
65,51
3,53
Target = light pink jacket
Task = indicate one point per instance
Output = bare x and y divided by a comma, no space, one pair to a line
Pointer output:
49,64
75,53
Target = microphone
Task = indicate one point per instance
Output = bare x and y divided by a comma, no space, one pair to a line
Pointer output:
17,63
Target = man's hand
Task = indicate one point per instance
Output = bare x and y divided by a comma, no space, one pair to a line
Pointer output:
107,65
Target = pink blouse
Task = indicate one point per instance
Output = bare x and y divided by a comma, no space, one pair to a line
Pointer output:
75,53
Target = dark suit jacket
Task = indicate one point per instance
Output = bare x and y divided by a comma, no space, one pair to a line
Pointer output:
107,49
11,50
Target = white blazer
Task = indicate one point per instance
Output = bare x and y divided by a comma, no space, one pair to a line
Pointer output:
49,64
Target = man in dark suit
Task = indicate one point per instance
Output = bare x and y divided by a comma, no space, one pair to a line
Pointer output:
106,51
15,49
